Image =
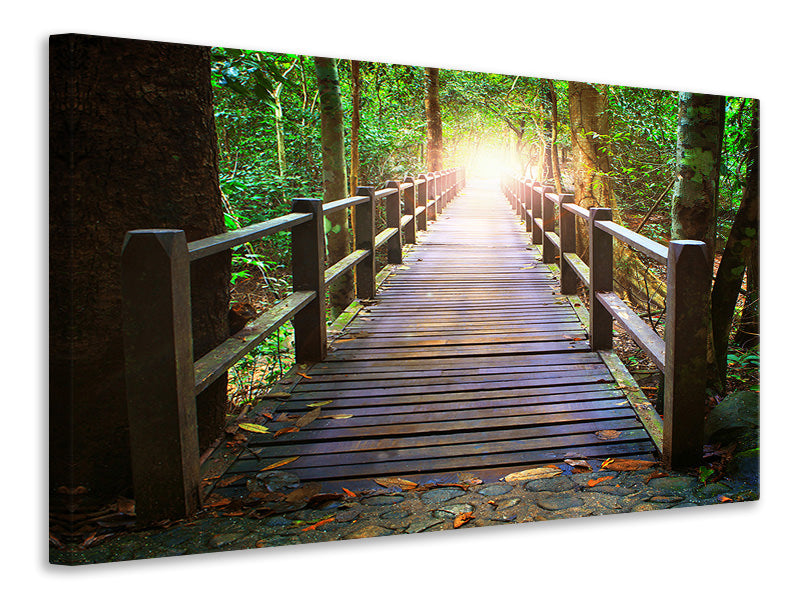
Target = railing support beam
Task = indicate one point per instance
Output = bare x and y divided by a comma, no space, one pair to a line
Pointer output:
308,274
601,279
159,374
364,217
685,337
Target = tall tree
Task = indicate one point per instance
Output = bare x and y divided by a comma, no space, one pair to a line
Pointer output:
589,129
555,166
433,115
701,118
132,145
739,254
355,124
334,178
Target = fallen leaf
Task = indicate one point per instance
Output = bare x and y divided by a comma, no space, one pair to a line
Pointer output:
349,493
229,480
282,418
578,466
337,417
607,434
403,484
606,462
462,518
308,418
126,506
280,463
537,473
345,340
304,375
725,499
322,403
285,430
594,482
267,415
254,427
628,464
656,475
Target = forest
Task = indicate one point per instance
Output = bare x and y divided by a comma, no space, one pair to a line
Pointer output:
210,209
611,145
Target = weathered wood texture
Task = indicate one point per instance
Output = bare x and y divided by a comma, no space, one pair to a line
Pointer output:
468,360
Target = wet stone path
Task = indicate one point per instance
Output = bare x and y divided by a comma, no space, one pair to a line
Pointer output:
554,492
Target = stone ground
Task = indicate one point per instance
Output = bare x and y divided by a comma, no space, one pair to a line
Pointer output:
427,508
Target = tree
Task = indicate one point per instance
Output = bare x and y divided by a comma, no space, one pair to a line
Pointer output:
701,119
132,145
334,178
589,129
555,167
355,123
433,115
739,254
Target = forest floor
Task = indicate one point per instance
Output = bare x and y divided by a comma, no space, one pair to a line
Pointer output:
406,507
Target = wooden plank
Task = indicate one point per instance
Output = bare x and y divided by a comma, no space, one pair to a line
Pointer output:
344,265
337,205
644,336
385,235
208,368
580,268
224,241
646,246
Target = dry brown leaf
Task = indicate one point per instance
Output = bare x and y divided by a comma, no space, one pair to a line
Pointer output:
655,475
628,464
285,430
229,480
280,463
308,418
578,466
349,493
594,482
282,418
536,473
317,524
464,517
403,484
607,434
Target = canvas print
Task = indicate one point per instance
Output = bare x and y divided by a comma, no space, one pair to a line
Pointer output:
298,298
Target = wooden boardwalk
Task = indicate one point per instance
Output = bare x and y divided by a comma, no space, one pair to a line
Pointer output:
469,360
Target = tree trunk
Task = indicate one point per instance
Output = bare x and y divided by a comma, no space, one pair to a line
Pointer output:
700,118
433,115
738,252
589,128
132,145
556,167
334,179
747,334
355,123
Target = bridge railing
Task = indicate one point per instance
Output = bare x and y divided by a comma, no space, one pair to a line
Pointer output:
163,377
681,353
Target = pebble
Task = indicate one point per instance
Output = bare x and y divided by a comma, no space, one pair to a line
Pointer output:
441,495
453,510
497,489
368,532
423,524
507,503
382,500
559,502
552,484
673,484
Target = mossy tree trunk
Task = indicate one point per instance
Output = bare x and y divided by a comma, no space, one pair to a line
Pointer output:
433,115
132,146
589,129
334,179
355,124
701,118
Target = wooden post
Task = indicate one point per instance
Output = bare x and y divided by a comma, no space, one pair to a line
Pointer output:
685,338
439,191
566,233
308,274
536,210
394,247
601,279
425,193
419,200
433,191
409,203
527,201
159,374
365,240
548,224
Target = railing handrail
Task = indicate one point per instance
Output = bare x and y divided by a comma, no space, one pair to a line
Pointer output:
157,319
680,354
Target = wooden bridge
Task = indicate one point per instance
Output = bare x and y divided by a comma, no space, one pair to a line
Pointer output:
474,354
